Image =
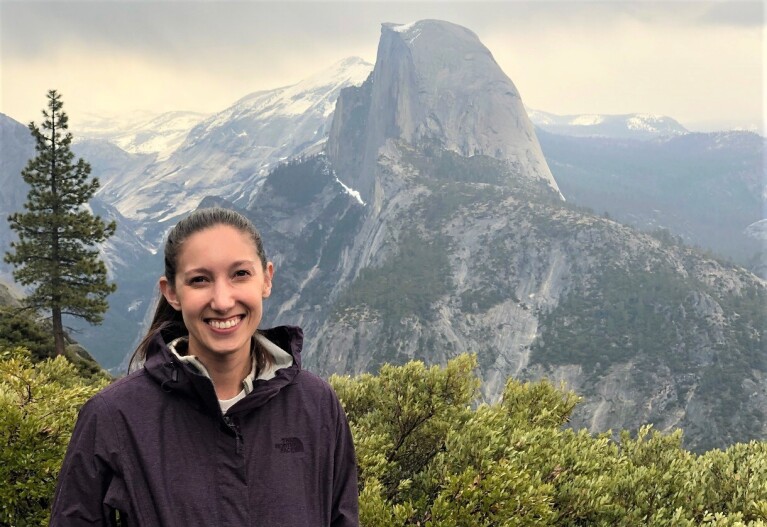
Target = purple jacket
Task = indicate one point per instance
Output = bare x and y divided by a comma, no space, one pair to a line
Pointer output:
155,447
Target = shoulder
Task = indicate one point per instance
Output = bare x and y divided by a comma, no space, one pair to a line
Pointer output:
124,391
136,380
316,391
314,383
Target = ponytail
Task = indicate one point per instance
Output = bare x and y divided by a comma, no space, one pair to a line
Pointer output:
168,322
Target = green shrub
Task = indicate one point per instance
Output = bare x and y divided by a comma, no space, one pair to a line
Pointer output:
39,402
428,457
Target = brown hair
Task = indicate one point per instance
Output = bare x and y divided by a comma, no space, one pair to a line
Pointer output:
168,321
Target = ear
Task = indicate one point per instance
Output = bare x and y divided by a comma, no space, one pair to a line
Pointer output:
268,274
169,292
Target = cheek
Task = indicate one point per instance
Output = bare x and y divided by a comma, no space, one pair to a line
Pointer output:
190,303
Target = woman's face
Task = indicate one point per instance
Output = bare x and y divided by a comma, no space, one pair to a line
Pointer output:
219,288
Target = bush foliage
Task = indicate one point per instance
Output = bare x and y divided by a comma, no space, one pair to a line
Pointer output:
430,456
39,402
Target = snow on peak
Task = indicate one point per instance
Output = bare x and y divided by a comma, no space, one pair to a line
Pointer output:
649,116
438,32
402,28
317,91
351,70
409,32
645,122
540,117
636,125
587,120
142,132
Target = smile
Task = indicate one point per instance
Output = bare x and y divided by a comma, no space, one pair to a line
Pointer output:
225,324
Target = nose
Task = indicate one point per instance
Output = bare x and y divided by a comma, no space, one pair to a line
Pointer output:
223,297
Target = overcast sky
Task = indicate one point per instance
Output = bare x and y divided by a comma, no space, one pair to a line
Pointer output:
702,63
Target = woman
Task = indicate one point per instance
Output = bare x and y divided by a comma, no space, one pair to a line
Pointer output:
219,425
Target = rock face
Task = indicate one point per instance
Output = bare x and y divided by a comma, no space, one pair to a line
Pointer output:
434,82
454,259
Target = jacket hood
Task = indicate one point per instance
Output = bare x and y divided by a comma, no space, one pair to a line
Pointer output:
181,379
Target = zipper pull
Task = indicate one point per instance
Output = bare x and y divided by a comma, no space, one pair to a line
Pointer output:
237,436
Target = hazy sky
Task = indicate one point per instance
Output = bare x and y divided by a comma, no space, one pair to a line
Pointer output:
702,63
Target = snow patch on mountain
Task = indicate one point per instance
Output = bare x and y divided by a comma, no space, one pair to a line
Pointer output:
587,120
144,133
309,94
403,28
758,230
645,122
93,126
353,193
628,126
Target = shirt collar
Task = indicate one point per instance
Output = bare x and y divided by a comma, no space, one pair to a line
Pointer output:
280,359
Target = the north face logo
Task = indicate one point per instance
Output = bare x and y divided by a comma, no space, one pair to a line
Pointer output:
290,445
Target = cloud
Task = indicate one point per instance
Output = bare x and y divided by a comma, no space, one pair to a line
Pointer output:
735,13
166,29
655,57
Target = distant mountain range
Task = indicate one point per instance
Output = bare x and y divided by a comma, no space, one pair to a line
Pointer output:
708,189
417,211
629,126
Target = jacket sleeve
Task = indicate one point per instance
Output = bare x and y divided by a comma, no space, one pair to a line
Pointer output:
345,512
87,471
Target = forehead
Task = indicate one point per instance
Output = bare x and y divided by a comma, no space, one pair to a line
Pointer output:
217,245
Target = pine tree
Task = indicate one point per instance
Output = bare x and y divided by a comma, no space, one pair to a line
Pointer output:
56,252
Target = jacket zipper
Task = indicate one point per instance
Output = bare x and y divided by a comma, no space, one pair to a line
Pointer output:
237,436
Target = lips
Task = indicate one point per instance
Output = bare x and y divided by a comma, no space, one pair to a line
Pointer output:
227,323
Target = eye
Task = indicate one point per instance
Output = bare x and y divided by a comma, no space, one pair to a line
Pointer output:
242,273
196,280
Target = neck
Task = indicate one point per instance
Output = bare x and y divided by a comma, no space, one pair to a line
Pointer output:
227,374
227,371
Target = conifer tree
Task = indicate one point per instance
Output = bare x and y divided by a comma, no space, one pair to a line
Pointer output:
56,250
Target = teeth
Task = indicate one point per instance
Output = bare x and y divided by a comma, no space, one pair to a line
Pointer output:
224,324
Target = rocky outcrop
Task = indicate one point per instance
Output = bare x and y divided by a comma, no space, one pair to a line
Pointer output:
444,263
434,83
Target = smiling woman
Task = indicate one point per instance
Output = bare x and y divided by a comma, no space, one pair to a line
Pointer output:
219,289
217,424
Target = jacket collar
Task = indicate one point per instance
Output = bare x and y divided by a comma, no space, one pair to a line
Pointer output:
279,359
182,378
